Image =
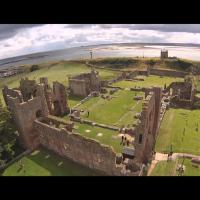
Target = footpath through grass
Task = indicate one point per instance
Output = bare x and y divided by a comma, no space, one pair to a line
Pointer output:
45,163
181,129
164,168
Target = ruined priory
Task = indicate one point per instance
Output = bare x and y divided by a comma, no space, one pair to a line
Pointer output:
33,106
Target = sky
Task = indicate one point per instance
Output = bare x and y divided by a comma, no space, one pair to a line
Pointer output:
20,39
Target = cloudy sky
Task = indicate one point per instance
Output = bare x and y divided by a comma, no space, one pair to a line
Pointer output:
19,39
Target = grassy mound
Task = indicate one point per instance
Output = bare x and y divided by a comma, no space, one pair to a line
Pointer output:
125,62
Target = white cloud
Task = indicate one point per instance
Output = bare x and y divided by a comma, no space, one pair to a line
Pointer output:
57,36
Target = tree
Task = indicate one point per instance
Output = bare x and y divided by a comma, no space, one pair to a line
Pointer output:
8,137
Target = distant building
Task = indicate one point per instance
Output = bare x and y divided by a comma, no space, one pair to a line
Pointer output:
164,54
8,73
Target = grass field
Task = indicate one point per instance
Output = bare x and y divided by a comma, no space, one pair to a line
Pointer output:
180,127
58,72
73,100
165,168
46,163
120,110
148,82
108,137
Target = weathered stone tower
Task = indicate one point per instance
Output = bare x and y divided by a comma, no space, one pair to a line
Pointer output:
164,54
56,98
32,101
25,111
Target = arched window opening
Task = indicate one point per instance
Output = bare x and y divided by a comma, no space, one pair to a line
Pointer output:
38,113
140,138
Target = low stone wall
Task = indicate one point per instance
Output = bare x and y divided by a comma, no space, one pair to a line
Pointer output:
83,100
89,122
27,152
101,67
138,89
162,113
109,86
181,103
80,149
173,73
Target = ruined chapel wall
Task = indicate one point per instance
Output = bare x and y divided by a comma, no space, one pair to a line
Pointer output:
183,89
24,114
79,87
60,95
95,82
145,129
80,149
11,92
27,88
158,101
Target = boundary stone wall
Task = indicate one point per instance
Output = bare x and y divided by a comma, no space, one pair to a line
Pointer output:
173,73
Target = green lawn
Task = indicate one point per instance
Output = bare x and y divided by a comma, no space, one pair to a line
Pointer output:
198,86
164,168
172,131
108,137
58,72
74,100
120,110
46,163
148,82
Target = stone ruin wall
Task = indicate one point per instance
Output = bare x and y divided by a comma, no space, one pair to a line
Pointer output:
79,87
82,150
147,129
172,73
24,114
11,92
144,128
27,88
78,148
56,98
59,97
120,77
84,84
183,93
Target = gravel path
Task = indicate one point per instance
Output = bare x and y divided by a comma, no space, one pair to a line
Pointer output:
163,157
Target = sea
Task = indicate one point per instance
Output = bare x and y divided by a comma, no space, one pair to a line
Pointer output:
186,51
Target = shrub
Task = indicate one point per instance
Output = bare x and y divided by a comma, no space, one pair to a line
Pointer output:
9,145
34,68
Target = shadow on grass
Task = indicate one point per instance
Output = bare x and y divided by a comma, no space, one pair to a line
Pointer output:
75,98
58,166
